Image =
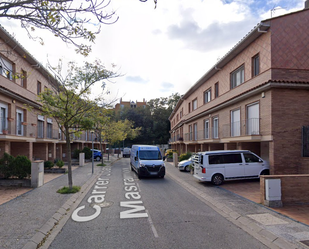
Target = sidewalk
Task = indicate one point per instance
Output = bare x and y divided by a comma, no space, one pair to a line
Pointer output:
26,220
269,226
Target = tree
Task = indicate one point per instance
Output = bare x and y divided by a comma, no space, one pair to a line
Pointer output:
70,103
116,131
66,19
155,1
153,119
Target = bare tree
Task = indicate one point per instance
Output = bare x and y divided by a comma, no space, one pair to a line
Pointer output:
155,1
66,19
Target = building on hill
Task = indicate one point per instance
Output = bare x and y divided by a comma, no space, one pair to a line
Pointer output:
129,104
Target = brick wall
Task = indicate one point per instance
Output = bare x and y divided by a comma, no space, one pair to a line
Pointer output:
294,188
290,111
290,41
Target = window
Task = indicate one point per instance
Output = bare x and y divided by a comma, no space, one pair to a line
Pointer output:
60,132
215,129
207,96
216,89
206,129
235,123
253,119
3,117
41,126
39,87
189,107
194,104
190,132
223,159
49,128
6,68
181,113
250,158
305,141
255,65
237,77
23,79
19,121
195,131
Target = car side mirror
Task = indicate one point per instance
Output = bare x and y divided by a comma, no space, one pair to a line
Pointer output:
164,158
135,158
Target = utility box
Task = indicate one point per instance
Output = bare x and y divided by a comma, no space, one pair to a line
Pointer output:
273,193
37,173
81,159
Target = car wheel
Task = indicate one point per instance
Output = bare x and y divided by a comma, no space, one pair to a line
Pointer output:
187,168
217,179
265,172
98,158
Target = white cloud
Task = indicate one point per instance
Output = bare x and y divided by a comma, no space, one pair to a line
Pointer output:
164,50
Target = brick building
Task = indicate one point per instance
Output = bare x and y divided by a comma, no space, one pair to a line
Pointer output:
129,104
255,97
24,132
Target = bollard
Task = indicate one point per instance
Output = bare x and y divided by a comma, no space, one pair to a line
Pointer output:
81,159
37,173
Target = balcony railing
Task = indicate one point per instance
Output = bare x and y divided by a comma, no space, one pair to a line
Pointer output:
242,128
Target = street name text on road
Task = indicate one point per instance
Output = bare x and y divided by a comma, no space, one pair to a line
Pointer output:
97,197
133,196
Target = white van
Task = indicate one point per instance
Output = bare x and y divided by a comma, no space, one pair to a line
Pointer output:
225,165
146,160
126,152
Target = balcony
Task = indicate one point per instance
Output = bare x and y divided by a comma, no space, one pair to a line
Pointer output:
246,130
249,127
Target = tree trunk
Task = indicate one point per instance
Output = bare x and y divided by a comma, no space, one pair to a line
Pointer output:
70,178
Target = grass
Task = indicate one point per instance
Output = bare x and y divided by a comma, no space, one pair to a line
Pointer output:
100,164
67,190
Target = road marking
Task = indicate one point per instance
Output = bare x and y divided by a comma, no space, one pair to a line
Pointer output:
154,230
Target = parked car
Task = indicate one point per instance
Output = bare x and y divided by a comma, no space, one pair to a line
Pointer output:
184,165
226,165
97,155
126,152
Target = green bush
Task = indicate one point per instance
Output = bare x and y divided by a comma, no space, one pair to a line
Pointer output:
185,156
60,163
21,167
48,164
76,154
6,165
87,152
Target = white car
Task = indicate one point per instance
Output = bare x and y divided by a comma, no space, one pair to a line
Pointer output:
185,165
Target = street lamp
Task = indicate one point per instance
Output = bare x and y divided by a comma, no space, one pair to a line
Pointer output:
92,131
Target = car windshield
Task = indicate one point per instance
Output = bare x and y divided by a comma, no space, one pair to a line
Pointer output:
150,155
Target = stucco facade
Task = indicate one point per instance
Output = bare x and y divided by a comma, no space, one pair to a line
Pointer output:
255,97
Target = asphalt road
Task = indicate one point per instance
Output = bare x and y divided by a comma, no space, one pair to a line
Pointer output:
121,211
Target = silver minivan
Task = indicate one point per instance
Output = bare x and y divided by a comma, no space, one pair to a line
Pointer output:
226,165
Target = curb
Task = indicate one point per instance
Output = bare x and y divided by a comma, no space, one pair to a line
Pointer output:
47,233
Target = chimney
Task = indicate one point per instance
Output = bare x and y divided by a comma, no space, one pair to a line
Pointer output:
306,4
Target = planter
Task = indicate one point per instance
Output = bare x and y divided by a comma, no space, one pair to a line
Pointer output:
10,119
16,182
24,123
5,132
33,124
54,171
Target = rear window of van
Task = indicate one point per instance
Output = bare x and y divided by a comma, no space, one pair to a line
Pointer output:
225,158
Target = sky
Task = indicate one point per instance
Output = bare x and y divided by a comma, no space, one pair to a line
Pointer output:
160,51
